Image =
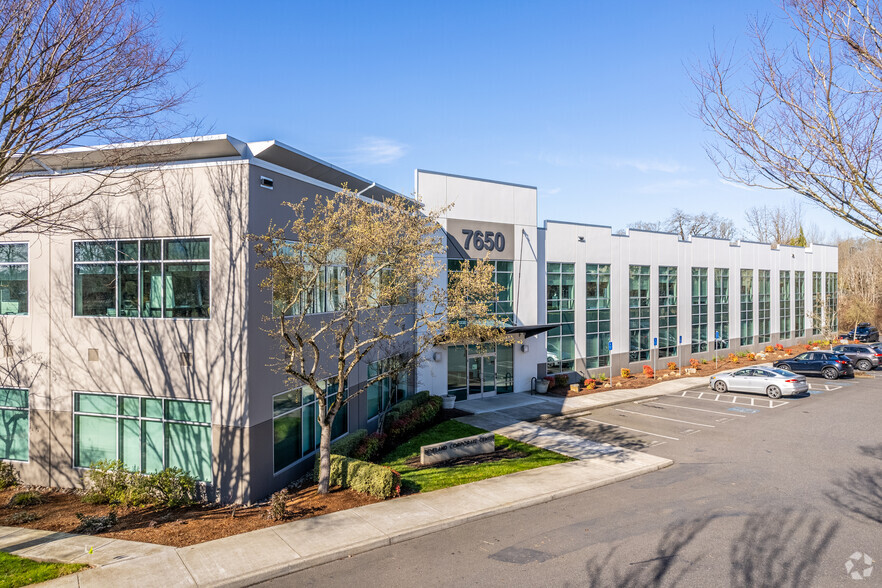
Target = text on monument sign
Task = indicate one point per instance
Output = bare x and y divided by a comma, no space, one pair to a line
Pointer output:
475,445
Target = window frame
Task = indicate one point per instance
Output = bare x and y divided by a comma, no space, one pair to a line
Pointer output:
27,265
138,263
26,410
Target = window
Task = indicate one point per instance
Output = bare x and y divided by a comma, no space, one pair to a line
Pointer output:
667,311
148,278
817,303
503,274
721,308
638,312
14,424
832,301
388,390
597,309
784,300
328,294
561,301
798,304
765,306
746,307
147,434
296,432
699,309
13,278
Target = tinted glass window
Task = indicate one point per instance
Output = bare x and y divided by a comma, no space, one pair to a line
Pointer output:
803,357
742,373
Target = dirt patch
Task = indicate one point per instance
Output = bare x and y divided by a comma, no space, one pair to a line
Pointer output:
414,462
177,527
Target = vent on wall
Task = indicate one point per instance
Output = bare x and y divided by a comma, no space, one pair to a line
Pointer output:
7,351
185,358
266,182
93,354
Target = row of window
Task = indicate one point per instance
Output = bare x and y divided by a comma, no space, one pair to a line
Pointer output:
560,296
296,434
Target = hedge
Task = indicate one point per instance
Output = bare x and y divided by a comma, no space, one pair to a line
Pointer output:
349,443
364,477
403,407
414,421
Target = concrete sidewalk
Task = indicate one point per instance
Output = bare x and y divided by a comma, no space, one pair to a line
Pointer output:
248,558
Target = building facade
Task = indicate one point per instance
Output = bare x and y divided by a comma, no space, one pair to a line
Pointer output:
142,340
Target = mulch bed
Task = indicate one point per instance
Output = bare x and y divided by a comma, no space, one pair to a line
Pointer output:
177,527
414,462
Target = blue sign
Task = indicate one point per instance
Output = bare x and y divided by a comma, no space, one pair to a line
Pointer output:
681,339
655,341
716,335
610,345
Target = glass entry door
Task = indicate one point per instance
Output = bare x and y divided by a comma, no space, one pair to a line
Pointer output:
481,376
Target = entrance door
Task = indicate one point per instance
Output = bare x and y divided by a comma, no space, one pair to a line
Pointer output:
482,376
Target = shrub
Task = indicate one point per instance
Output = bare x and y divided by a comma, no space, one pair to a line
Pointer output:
364,477
20,517
733,358
672,365
108,482
414,421
602,377
172,487
8,476
741,354
23,499
693,363
95,524
370,447
405,406
561,381
769,349
648,371
780,347
626,373
807,346
751,356
703,361
278,506
788,351
590,384
349,443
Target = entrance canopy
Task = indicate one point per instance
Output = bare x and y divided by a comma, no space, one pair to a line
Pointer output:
528,330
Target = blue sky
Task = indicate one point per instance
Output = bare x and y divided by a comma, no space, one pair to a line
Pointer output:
588,101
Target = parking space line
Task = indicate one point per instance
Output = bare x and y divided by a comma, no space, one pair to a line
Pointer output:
627,428
697,409
763,402
654,416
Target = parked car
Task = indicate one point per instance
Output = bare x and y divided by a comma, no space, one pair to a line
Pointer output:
863,332
772,382
864,357
829,364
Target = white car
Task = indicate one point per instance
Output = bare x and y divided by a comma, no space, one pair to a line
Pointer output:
771,381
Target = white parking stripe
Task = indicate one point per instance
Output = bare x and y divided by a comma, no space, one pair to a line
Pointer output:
745,400
728,414
627,428
653,416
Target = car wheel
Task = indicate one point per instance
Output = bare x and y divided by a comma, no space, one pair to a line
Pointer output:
784,366
864,365
773,392
721,387
830,373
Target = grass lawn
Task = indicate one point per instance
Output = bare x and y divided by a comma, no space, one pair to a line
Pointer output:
18,571
428,479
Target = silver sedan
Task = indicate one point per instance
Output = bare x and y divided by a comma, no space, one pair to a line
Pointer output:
773,382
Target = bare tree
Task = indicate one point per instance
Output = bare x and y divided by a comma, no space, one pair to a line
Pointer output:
702,224
372,270
75,73
776,224
805,117
860,282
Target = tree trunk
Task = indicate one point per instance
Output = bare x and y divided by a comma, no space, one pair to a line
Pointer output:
324,459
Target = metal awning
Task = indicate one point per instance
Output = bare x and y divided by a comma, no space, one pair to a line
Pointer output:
528,330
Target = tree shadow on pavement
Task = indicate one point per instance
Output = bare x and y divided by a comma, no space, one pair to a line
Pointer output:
860,493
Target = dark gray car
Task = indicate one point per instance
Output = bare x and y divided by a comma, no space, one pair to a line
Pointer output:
864,357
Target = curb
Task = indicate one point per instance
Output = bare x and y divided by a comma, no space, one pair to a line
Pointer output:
348,551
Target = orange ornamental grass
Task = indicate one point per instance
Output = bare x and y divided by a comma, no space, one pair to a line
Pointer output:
626,373
672,365
648,371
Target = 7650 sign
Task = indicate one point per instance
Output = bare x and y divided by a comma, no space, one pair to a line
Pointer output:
482,240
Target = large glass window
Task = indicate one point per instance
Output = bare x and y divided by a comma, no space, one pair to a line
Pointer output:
503,274
784,307
764,301
817,303
147,434
746,307
152,278
561,301
798,304
638,312
699,309
328,294
388,389
14,424
296,432
597,310
667,311
13,278
833,301
721,308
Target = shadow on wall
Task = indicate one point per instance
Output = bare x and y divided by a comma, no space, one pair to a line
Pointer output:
144,356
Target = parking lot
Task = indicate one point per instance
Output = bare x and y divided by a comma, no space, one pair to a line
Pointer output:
659,424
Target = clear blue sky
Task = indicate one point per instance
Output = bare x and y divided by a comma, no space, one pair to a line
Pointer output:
588,101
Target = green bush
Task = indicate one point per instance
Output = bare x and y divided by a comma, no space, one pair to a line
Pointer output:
23,499
561,381
21,517
364,477
370,448
172,487
108,482
8,476
349,443
95,524
414,421
405,406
